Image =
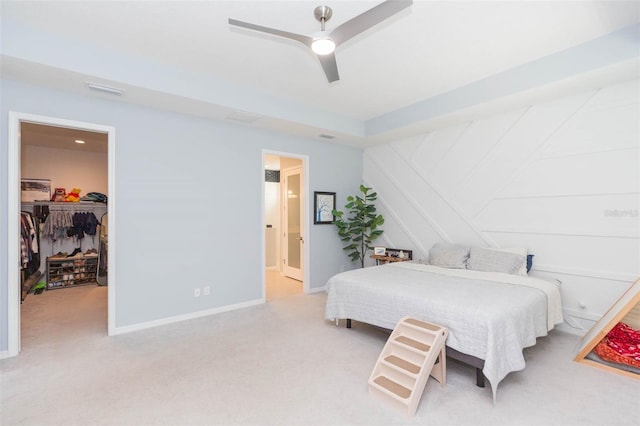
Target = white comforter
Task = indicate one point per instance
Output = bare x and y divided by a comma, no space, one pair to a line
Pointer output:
492,316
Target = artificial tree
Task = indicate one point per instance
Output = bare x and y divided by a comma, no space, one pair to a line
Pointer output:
360,228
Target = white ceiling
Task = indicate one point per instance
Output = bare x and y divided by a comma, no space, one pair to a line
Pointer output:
426,51
62,138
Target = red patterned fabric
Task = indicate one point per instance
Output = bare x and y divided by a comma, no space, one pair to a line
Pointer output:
621,345
624,340
607,354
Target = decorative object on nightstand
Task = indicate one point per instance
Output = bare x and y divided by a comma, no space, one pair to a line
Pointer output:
393,255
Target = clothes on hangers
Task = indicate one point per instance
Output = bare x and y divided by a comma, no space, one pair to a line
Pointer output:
29,243
64,224
57,224
41,213
85,222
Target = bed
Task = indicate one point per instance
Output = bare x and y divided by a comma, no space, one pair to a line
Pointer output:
491,316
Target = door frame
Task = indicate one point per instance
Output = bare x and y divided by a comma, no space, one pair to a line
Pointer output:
14,293
304,185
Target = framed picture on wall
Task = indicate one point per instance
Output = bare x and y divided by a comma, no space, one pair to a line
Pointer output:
35,190
323,205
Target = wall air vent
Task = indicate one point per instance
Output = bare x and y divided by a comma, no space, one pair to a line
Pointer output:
272,175
243,117
104,88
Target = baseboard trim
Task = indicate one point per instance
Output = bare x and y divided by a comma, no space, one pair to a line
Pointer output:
185,317
565,328
318,289
589,316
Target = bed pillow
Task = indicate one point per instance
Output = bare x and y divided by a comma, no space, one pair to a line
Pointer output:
449,256
490,260
517,250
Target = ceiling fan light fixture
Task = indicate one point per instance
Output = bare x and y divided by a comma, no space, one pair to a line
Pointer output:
323,46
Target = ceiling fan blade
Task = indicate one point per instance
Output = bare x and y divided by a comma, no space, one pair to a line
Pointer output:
293,36
329,66
368,19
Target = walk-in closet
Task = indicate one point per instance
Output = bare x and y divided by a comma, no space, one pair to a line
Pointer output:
64,199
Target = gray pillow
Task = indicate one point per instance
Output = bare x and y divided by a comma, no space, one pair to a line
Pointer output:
449,256
481,259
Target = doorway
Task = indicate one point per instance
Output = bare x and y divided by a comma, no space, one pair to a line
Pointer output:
14,291
285,213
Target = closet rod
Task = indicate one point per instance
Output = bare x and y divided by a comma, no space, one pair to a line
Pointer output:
74,208
57,206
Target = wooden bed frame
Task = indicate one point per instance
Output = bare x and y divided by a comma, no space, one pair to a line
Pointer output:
470,360
626,308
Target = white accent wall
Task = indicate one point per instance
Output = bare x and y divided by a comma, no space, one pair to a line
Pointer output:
560,178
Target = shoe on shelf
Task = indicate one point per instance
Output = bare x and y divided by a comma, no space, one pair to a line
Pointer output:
75,252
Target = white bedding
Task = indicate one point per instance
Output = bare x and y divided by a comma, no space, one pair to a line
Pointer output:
491,316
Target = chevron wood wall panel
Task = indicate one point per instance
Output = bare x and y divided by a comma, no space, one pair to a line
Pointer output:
561,178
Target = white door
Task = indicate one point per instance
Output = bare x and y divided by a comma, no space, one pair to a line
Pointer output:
292,223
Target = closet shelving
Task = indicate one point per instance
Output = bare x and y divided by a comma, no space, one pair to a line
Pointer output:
62,271
71,271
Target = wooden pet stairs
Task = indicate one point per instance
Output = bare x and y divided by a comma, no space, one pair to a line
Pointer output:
415,350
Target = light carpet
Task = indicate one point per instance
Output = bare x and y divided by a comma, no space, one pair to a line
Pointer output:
279,363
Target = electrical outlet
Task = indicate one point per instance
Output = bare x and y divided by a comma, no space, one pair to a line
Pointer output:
207,290
196,292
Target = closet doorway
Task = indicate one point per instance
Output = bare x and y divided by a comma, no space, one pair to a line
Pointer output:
23,127
285,213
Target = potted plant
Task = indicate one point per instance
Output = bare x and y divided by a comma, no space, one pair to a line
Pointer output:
360,228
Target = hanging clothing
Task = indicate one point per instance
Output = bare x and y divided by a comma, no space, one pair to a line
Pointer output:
33,240
29,243
64,224
24,254
41,213
84,223
57,224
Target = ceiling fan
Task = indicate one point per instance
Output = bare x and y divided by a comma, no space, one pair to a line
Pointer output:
323,44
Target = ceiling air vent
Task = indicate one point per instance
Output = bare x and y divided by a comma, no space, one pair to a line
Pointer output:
326,136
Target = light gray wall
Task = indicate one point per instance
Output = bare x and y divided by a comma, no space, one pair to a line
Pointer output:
560,178
188,203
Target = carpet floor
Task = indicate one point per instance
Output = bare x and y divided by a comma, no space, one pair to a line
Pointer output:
279,363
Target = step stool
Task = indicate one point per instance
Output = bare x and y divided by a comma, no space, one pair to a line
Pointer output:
414,351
